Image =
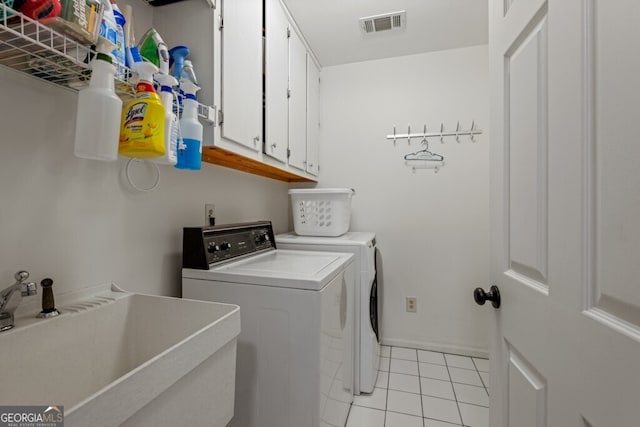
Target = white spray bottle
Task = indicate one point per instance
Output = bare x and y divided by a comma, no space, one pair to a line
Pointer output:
99,109
167,83
190,142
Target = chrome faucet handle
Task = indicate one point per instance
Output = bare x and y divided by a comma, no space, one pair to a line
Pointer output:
21,276
11,296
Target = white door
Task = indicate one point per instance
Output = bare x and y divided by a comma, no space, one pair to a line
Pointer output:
565,213
297,101
242,72
276,81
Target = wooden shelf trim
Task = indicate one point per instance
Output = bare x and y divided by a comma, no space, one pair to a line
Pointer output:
221,157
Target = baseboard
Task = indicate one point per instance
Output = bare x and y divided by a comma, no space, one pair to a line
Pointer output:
443,348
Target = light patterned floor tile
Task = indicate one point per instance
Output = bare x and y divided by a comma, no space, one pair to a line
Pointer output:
481,364
431,357
384,364
437,372
437,388
402,382
474,416
459,361
485,378
385,351
404,353
376,400
435,423
403,367
405,403
465,376
395,419
365,417
415,388
471,394
383,380
440,409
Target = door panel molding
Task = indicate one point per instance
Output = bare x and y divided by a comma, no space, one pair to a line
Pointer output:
526,111
520,20
526,393
610,302
526,280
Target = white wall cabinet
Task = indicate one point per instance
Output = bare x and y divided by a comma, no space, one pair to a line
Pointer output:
297,102
241,75
296,119
227,51
313,117
276,80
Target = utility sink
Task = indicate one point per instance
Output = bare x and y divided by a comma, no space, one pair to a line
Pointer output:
117,358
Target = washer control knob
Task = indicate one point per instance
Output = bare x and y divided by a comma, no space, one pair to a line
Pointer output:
212,248
264,237
225,246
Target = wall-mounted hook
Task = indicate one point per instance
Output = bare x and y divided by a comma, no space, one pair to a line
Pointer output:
424,135
473,128
441,132
408,134
458,132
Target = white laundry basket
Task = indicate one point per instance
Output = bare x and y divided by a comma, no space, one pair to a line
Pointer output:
321,211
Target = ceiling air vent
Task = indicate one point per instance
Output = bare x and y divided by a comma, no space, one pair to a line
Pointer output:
384,22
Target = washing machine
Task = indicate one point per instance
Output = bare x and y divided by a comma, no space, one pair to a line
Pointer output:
367,314
295,353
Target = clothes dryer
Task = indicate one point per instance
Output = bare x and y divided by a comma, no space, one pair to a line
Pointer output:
367,314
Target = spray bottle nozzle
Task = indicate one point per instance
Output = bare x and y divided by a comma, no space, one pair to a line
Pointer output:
189,88
177,56
145,71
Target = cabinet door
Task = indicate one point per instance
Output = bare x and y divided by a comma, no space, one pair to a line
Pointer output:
242,72
313,116
297,102
276,79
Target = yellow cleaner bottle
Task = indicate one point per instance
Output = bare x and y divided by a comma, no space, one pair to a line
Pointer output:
142,123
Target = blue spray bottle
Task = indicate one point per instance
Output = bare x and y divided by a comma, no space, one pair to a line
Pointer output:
190,138
177,55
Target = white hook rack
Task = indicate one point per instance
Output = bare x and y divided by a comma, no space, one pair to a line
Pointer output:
471,132
425,159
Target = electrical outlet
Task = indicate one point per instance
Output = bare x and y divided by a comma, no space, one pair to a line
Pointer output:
210,214
412,304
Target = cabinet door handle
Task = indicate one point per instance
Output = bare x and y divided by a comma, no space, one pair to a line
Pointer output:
256,139
274,145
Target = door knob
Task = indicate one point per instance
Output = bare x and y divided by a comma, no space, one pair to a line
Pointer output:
480,296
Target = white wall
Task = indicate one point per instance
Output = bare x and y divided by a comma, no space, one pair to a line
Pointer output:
433,229
79,222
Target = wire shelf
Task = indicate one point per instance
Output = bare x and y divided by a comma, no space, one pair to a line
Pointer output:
33,48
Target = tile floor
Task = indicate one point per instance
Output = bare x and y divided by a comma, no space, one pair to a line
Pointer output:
418,388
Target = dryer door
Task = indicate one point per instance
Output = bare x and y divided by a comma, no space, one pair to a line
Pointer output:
373,306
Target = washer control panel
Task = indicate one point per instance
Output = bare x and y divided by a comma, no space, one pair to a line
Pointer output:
203,247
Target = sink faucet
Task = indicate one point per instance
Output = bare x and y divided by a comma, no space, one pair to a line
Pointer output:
10,298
